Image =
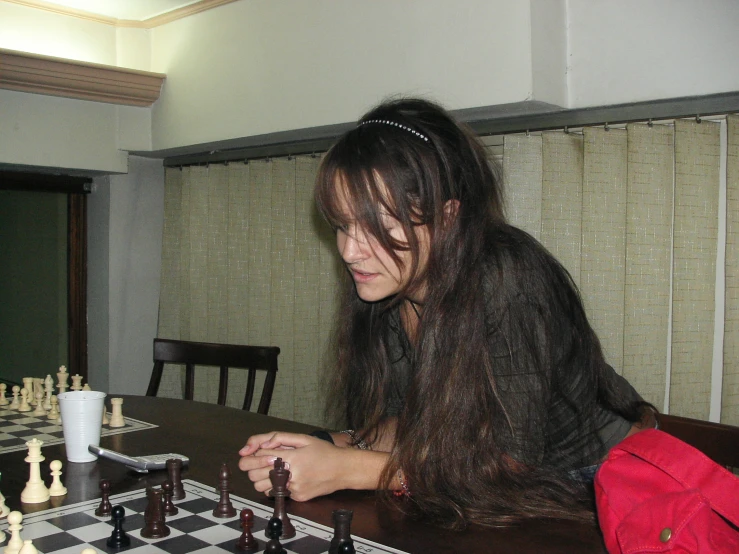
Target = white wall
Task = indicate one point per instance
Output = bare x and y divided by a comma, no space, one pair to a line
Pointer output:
254,67
135,251
633,50
124,264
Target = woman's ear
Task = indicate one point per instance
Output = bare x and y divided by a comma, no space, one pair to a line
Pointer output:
451,207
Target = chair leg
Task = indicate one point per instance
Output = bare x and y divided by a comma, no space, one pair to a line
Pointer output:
189,381
223,386
156,379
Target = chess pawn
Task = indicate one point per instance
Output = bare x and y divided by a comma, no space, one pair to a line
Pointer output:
39,411
56,488
28,547
3,400
14,526
54,412
35,491
86,387
4,510
14,405
116,416
76,382
48,391
24,407
247,542
62,377
273,532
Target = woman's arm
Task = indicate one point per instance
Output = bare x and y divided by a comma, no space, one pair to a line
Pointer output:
316,467
382,443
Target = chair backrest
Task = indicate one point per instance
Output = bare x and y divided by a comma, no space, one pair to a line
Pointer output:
717,441
225,356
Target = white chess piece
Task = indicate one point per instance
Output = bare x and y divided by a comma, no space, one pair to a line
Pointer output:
24,407
62,377
48,391
106,421
38,385
28,547
116,416
28,385
54,412
89,551
76,382
15,543
86,387
35,491
14,405
39,411
56,488
3,508
3,400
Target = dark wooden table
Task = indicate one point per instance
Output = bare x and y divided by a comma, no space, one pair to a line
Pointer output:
210,435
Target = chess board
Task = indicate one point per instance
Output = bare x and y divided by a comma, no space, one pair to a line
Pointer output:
70,529
16,428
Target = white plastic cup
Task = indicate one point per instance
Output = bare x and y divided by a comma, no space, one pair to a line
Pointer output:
82,420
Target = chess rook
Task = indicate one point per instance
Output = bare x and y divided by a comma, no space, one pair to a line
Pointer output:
342,532
155,527
116,416
174,472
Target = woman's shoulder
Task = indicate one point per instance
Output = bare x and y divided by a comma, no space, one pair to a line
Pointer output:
516,264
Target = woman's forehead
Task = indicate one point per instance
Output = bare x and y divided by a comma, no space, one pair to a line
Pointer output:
349,195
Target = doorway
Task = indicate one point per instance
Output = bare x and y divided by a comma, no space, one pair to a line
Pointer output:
43,256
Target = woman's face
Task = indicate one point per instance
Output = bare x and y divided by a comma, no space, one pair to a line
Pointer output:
376,274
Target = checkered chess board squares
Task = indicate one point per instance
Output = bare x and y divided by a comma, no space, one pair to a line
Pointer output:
70,529
17,428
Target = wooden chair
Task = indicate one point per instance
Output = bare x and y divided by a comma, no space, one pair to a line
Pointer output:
251,358
717,441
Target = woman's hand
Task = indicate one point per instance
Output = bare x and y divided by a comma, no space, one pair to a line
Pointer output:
316,466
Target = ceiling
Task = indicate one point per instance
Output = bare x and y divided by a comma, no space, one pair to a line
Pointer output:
136,10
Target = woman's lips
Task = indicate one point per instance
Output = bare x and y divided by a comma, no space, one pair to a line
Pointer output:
362,276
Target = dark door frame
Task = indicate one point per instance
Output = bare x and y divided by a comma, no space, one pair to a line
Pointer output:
76,189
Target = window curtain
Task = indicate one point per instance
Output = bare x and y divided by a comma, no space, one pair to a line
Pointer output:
247,260
634,214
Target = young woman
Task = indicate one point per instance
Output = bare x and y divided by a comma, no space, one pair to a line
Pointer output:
466,364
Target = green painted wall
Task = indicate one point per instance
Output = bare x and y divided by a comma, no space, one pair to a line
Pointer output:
33,284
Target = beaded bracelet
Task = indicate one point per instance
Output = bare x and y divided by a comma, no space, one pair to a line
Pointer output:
404,490
356,439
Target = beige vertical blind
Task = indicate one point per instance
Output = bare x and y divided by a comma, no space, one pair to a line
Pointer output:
247,260
634,215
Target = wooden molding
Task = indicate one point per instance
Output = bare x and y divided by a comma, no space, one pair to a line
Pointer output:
72,79
149,23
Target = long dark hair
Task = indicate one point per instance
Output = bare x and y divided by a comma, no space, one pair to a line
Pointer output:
411,158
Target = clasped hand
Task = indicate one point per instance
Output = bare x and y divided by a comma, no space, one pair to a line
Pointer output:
316,466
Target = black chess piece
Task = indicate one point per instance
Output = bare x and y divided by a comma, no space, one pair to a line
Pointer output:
154,527
105,507
279,477
118,538
224,507
168,491
174,471
347,548
274,530
342,532
247,542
